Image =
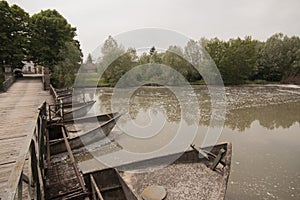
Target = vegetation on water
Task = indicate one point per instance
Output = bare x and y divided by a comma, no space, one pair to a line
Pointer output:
47,39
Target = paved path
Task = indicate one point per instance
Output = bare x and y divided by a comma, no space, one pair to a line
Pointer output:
18,108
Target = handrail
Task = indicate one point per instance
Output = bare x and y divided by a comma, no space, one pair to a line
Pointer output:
34,146
7,83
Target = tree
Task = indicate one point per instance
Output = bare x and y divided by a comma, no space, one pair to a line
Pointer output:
216,49
174,58
271,59
13,34
110,45
64,71
115,60
49,33
235,59
194,55
154,56
89,59
279,58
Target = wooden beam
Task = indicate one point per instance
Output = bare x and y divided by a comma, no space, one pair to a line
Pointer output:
94,185
80,178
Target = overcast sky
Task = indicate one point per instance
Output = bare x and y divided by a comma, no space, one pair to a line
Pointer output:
96,19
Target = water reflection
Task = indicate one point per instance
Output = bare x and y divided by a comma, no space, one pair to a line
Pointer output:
261,122
269,116
163,100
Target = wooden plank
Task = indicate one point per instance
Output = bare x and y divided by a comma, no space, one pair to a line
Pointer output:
95,187
18,108
15,175
80,178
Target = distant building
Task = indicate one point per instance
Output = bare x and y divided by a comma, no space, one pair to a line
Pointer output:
29,68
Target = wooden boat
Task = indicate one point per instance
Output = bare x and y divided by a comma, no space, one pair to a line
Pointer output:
190,177
56,141
58,110
74,105
78,111
63,90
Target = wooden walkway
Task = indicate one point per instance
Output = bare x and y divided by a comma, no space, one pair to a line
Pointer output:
18,108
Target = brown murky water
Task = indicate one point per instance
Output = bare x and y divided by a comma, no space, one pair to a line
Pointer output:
262,122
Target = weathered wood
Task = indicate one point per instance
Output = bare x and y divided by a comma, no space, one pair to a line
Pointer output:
48,149
20,189
96,134
18,108
80,178
95,187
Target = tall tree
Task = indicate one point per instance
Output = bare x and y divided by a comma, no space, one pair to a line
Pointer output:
89,59
279,58
64,71
271,59
235,58
194,55
174,58
13,34
116,60
49,33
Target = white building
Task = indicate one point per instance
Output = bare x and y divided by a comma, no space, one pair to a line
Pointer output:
29,68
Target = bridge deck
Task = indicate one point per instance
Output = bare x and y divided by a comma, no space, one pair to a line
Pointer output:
18,108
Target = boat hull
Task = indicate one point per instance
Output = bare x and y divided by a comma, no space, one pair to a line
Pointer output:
78,112
189,177
57,145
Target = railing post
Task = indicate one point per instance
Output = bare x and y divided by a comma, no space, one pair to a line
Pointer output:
20,188
33,169
30,176
34,148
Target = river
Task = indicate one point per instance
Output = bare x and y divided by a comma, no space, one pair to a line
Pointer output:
261,121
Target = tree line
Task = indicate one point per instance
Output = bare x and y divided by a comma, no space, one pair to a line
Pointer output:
45,38
239,61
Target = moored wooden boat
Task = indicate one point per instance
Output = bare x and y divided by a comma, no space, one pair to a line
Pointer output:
57,110
190,177
74,105
57,144
78,111
65,95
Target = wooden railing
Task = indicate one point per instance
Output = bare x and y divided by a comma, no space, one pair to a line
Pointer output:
29,167
7,83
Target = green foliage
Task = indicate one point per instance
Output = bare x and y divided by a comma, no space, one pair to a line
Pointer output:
235,59
194,60
115,61
49,33
279,58
47,39
13,34
64,71
174,58
238,60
